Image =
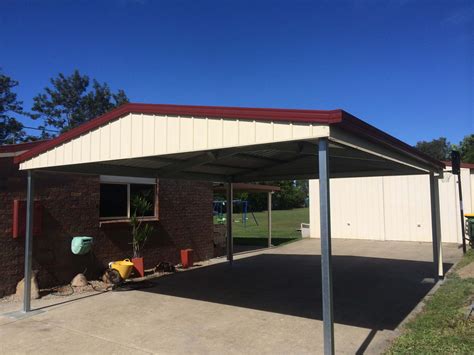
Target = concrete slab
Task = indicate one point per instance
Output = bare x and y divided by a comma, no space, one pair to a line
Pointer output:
16,315
40,337
268,302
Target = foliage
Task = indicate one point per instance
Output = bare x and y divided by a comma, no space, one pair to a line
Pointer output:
292,195
11,130
437,148
140,231
442,327
71,101
466,148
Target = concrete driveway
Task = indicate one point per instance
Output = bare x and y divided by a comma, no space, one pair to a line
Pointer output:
268,302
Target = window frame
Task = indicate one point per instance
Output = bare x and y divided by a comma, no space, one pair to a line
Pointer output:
130,180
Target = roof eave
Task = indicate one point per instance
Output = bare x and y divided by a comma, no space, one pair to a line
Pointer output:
356,125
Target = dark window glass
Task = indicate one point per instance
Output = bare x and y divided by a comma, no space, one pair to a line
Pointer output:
146,191
113,200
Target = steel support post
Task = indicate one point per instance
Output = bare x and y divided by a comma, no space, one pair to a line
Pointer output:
269,219
28,242
436,227
326,258
230,207
461,208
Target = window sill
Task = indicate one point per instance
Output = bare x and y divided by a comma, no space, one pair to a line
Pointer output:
122,221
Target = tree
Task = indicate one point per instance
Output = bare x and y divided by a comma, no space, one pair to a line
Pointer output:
466,148
71,101
11,130
437,148
292,195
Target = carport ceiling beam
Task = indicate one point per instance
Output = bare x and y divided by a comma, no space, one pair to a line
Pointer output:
188,163
266,170
302,147
122,170
261,158
203,159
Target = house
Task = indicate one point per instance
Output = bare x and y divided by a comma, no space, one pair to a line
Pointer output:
71,205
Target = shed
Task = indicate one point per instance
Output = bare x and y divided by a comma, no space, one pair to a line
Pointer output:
394,207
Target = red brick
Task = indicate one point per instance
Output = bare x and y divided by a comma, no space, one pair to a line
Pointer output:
71,208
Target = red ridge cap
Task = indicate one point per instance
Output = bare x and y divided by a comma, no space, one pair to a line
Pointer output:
273,114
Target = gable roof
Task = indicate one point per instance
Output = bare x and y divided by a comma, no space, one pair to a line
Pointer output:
330,117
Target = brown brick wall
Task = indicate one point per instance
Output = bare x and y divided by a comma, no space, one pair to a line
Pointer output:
185,221
71,208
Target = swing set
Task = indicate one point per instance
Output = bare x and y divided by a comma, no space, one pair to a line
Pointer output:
219,209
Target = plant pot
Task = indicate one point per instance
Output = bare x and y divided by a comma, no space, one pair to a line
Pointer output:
187,258
138,266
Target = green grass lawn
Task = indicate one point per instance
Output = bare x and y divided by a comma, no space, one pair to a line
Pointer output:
284,226
442,327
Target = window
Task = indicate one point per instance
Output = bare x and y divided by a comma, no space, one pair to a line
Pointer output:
118,193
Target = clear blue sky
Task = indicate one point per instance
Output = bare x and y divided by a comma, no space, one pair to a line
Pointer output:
403,66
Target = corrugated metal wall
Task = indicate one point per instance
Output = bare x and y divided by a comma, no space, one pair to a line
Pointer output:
392,207
137,135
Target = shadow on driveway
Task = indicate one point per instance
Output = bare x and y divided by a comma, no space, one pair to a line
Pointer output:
372,293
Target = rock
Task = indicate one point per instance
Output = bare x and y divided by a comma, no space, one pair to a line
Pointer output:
79,281
20,287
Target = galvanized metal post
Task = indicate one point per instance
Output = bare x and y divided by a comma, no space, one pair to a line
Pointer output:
326,258
269,219
436,227
28,242
230,207
461,208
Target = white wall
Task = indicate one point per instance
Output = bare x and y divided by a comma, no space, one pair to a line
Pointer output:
392,207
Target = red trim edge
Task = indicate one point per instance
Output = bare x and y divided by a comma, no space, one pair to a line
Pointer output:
271,114
463,165
12,148
355,125
339,117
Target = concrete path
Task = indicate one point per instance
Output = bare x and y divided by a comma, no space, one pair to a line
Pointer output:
268,302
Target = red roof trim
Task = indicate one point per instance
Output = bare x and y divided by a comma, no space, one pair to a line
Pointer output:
318,116
463,165
12,148
340,117
355,125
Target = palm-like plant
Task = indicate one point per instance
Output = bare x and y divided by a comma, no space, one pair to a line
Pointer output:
140,231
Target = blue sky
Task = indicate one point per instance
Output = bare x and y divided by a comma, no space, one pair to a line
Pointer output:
404,66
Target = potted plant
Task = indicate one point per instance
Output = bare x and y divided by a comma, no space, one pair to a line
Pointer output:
140,231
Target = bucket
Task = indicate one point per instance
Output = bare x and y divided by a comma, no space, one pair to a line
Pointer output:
124,267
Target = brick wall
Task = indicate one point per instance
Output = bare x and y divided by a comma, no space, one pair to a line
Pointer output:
71,208
185,221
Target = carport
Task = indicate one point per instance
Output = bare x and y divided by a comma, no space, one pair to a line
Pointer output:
234,145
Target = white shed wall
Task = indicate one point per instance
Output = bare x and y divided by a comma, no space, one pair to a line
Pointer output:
392,207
